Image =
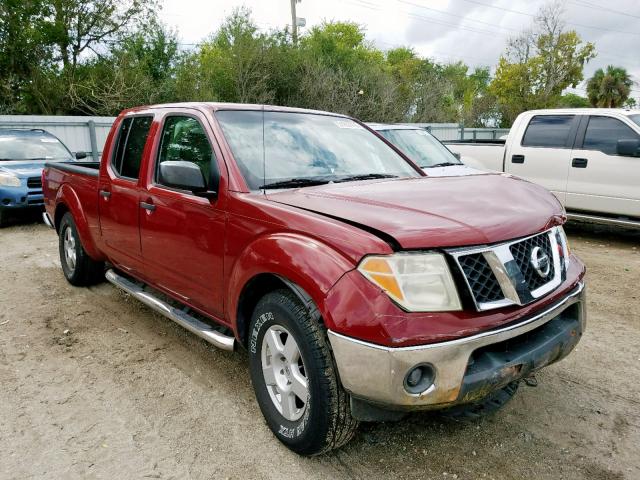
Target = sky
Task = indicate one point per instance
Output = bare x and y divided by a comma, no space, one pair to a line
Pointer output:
473,31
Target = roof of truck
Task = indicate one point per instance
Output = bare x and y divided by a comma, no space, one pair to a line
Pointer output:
586,111
233,106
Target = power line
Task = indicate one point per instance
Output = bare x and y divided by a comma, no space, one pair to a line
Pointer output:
457,16
583,3
519,12
432,21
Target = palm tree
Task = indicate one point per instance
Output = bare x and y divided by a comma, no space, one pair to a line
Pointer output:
609,89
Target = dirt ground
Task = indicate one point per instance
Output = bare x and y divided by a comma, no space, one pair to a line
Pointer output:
95,385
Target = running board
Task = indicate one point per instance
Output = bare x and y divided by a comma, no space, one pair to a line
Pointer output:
183,319
620,222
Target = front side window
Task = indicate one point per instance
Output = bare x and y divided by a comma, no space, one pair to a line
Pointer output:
603,134
636,119
276,148
132,138
184,139
551,131
421,147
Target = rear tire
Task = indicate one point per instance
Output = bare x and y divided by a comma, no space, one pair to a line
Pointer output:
3,218
79,268
289,357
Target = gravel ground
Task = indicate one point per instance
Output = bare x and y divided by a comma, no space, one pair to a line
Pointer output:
95,385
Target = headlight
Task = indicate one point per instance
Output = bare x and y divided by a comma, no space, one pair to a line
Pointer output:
418,282
563,245
9,180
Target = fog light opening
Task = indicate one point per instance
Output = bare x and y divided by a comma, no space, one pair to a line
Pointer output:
419,379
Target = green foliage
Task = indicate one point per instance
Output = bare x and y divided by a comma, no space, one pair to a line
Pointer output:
610,88
539,66
571,100
100,56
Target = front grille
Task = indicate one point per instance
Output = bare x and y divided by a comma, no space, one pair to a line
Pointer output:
504,274
34,182
483,283
521,252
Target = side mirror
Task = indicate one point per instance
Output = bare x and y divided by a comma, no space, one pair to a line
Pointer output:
182,174
80,155
456,154
628,147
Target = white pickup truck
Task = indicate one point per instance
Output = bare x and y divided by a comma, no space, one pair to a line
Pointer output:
589,158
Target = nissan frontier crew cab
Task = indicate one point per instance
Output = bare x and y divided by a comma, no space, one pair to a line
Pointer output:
361,287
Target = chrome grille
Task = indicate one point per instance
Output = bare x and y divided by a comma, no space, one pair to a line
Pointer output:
483,283
505,274
521,252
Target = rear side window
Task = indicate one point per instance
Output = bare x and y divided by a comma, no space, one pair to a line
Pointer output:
548,131
184,139
131,140
603,134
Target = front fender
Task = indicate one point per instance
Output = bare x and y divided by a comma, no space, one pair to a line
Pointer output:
67,198
310,264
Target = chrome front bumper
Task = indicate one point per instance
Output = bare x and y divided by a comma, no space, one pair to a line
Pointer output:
377,374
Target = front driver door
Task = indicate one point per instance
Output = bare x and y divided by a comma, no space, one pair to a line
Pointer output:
182,235
600,180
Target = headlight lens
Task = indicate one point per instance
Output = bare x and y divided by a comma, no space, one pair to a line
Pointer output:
9,180
418,282
563,244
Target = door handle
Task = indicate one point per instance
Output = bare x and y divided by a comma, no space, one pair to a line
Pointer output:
579,162
148,206
517,159
105,193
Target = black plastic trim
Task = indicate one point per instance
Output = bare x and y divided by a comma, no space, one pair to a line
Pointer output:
90,169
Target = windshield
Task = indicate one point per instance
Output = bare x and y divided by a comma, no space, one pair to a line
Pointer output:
421,147
635,118
32,147
285,149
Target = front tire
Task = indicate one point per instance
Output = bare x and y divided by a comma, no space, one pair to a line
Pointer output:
289,359
79,268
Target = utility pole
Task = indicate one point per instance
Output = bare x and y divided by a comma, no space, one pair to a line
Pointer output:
294,22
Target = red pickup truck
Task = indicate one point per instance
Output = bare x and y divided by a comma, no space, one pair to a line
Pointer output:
361,287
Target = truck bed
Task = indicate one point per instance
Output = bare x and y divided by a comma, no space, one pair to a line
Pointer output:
78,180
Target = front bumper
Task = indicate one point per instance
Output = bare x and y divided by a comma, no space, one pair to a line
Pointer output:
466,369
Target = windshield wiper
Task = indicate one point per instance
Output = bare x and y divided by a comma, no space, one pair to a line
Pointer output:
367,176
295,182
442,164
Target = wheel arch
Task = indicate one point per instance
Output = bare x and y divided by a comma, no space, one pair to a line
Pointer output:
309,270
68,201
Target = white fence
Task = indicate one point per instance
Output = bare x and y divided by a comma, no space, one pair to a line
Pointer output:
88,134
80,134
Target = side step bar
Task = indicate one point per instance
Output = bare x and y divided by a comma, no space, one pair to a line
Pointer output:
619,222
192,324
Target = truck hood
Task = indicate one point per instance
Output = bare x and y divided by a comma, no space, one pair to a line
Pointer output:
430,212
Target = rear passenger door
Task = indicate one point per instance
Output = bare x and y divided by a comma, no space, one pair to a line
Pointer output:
119,194
544,153
600,180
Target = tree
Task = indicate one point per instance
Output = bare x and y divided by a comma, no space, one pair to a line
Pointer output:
77,26
571,100
24,49
539,65
610,88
